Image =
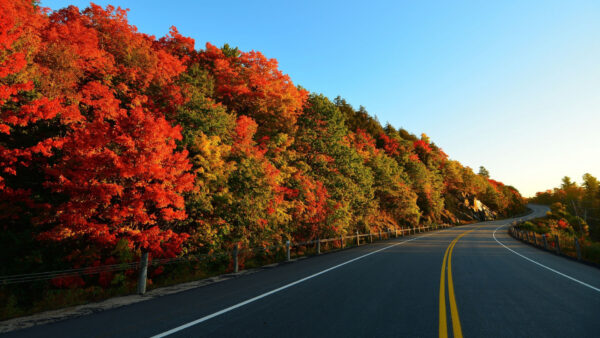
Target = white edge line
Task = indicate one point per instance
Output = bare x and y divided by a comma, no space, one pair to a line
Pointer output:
542,265
233,307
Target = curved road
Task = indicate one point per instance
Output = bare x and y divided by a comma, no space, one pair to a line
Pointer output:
470,280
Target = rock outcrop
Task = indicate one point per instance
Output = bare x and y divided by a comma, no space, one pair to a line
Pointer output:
466,207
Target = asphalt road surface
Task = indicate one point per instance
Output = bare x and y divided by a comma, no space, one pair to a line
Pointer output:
471,281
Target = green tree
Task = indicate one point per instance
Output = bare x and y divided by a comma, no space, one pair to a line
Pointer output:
591,186
393,192
484,172
567,183
321,137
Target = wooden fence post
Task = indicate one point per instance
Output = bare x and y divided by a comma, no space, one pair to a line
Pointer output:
287,250
578,248
357,239
318,246
235,258
143,273
545,242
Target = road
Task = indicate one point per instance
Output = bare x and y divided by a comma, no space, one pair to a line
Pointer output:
386,289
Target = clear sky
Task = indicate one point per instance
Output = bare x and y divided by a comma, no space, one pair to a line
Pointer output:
510,85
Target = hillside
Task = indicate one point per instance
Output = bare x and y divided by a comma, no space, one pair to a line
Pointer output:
113,142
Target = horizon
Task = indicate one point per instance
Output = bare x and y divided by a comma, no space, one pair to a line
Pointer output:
489,93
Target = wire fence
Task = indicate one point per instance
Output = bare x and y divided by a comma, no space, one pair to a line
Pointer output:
49,275
560,244
341,241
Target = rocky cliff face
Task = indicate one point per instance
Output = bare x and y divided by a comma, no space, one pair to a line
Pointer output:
467,208
478,210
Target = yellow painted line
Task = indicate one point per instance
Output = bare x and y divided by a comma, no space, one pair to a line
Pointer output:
443,326
456,329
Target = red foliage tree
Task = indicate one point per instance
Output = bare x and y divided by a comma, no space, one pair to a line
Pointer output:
123,178
24,111
311,208
364,144
250,84
118,170
390,145
496,184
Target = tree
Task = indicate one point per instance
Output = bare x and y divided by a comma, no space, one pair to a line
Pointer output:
122,177
119,173
567,183
250,84
591,186
30,122
358,119
321,138
484,172
392,191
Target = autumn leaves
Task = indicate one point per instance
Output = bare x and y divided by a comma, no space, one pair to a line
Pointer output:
111,138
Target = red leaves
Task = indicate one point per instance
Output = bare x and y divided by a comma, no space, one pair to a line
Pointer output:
251,84
22,109
70,282
245,129
364,144
390,146
118,168
422,145
178,44
311,209
121,172
160,243
423,150
563,224
497,185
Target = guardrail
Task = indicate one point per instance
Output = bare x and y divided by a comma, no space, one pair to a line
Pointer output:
553,243
302,249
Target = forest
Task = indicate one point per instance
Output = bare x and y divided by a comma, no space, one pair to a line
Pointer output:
114,142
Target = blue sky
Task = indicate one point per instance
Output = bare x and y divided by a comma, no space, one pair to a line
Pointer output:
510,85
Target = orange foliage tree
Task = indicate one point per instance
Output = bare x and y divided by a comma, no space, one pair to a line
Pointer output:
250,84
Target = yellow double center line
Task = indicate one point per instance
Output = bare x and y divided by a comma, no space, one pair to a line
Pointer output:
443,326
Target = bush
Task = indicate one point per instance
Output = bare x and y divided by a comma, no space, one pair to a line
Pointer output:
591,252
